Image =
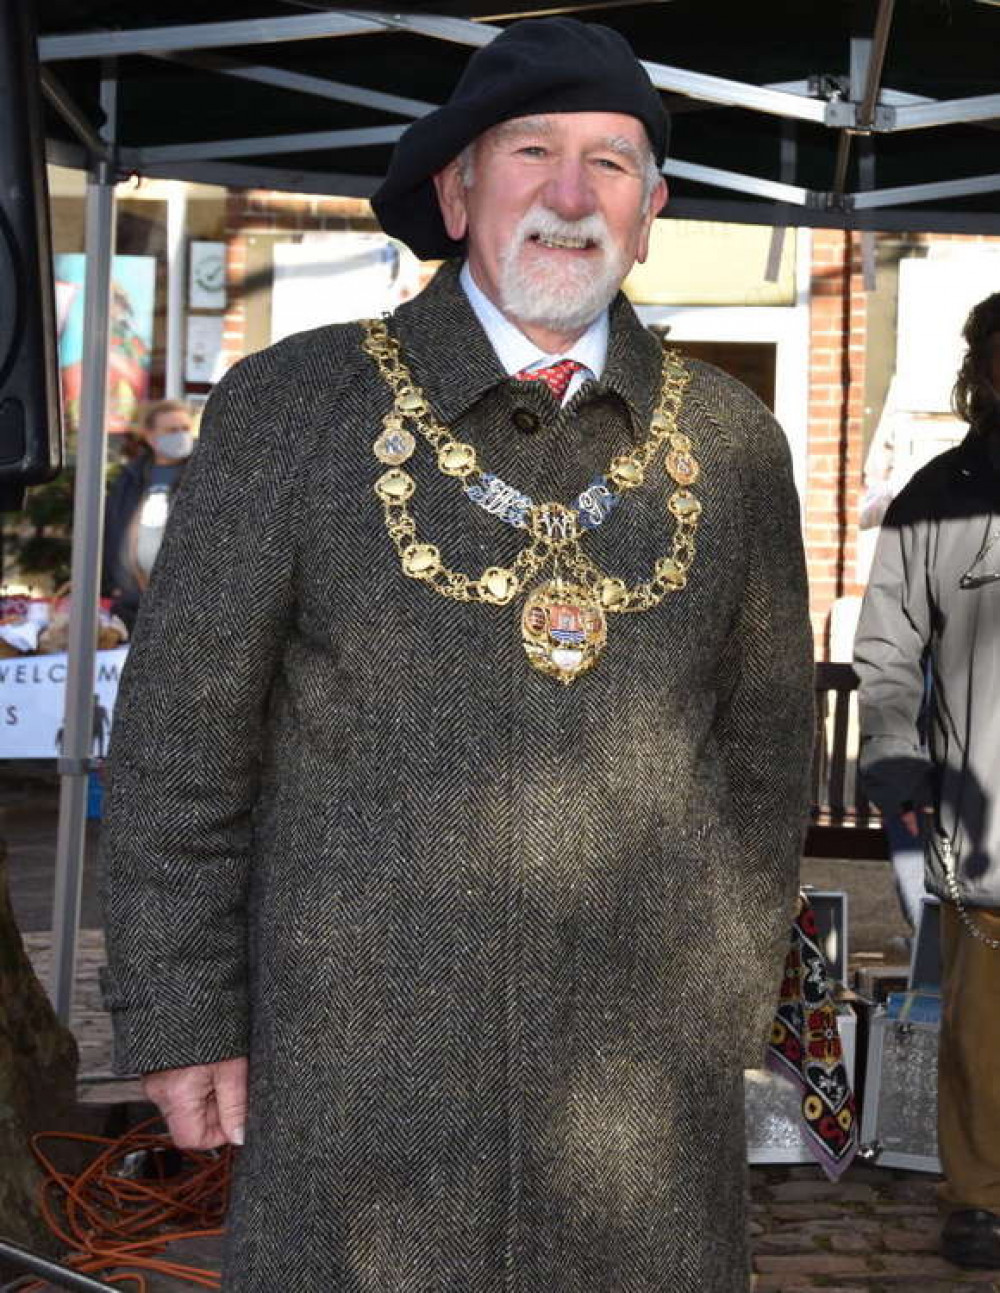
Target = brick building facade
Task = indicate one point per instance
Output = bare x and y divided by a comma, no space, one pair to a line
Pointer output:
837,334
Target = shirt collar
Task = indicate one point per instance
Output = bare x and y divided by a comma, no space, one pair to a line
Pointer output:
516,352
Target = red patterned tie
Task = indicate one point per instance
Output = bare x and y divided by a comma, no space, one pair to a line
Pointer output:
556,377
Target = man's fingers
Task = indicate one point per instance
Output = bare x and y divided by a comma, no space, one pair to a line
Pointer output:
204,1106
230,1079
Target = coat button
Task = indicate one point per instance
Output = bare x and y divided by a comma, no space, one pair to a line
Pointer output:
526,421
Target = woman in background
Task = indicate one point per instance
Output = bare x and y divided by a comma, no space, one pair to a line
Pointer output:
139,503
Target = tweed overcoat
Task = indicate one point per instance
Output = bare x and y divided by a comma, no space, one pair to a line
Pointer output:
498,948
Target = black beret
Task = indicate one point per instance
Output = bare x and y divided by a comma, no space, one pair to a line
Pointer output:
536,66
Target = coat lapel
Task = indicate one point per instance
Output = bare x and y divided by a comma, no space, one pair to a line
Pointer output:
445,346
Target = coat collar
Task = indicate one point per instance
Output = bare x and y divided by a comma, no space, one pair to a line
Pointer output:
452,359
980,452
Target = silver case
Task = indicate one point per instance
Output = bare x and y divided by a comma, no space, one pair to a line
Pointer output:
899,1111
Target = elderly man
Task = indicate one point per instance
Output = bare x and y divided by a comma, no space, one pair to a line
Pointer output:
457,801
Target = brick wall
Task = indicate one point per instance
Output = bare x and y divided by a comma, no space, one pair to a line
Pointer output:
250,212
836,391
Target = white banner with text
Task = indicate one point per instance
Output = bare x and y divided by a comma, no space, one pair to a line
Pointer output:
33,698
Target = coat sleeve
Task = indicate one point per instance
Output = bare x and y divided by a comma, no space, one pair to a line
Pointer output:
765,725
189,723
893,635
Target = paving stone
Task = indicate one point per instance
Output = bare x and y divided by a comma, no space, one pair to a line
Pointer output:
790,1242
897,1268
768,1284
924,1240
852,1241
855,1223
831,1210
827,1288
920,1190
824,1191
812,1264
903,1210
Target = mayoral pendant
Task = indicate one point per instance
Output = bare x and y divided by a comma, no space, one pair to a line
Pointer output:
563,630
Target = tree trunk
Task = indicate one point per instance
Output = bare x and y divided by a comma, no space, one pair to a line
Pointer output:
38,1063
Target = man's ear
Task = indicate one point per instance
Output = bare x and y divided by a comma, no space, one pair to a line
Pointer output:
451,199
657,201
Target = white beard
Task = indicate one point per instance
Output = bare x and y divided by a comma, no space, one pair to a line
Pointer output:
567,294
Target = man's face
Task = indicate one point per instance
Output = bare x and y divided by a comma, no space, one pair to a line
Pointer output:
555,216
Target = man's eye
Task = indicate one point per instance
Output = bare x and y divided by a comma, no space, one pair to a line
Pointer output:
532,150
609,164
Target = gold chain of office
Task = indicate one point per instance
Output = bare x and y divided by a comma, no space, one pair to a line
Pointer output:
563,624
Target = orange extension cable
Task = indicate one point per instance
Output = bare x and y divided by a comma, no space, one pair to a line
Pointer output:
115,1226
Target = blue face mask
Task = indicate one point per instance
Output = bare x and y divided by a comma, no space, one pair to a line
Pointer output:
175,445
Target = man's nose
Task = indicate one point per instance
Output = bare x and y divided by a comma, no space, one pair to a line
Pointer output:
569,192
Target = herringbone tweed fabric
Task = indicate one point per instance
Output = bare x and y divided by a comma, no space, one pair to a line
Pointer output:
499,948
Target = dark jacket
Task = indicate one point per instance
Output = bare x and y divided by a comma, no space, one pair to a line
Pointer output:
499,949
118,580
919,610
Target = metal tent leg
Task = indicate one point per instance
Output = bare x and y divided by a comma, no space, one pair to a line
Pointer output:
88,524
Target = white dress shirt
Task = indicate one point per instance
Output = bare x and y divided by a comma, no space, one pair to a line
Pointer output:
516,352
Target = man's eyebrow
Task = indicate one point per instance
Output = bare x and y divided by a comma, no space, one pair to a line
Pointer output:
520,126
623,147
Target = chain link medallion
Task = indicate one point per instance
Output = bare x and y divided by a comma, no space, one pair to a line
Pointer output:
563,622
563,630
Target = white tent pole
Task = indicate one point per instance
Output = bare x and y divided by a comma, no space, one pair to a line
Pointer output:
88,523
177,205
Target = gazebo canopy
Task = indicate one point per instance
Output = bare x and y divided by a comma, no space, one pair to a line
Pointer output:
851,113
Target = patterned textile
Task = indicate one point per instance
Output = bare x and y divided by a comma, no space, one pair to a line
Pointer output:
806,1048
556,377
459,915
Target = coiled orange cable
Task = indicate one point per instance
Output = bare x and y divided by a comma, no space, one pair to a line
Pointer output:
115,1225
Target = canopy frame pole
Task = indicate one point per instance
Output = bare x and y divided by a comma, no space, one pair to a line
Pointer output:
788,165
306,142
72,114
206,35
968,187
318,87
177,212
88,523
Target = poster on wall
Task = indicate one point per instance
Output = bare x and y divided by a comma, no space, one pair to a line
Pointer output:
338,276
33,696
133,300
204,361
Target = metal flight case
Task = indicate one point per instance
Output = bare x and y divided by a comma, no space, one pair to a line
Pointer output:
899,1111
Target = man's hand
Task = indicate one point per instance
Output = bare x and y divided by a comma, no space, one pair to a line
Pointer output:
911,820
205,1106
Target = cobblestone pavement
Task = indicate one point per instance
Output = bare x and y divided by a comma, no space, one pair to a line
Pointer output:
875,1231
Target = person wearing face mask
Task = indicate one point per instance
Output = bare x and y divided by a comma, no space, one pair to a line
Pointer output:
139,503
933,607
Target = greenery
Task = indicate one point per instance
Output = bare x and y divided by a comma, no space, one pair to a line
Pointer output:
38,541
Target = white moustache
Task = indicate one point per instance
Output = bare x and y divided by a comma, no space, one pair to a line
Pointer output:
544,225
